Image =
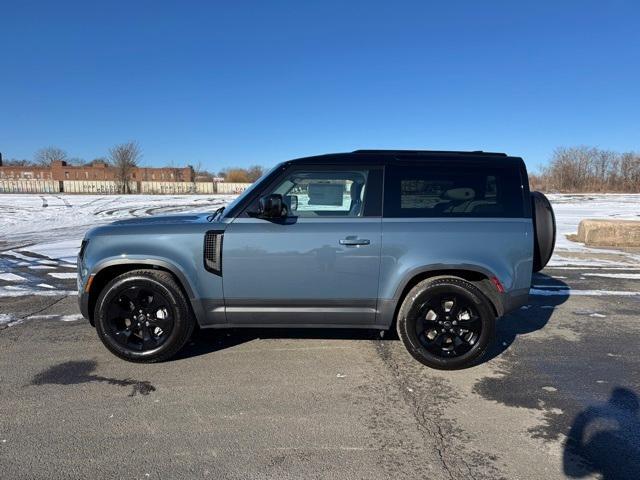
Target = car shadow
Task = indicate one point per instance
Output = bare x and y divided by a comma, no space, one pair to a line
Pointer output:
605,439
549,293
206,341
528,319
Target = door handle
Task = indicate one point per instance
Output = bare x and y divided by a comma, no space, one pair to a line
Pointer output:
353,241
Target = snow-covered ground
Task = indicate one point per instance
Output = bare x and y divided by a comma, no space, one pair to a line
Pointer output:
570,209
40,234
29,219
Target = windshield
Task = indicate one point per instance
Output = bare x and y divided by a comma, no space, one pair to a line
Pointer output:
248,191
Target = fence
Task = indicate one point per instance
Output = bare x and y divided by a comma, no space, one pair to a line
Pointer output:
29,186
177,187
107,187
224,187
104,187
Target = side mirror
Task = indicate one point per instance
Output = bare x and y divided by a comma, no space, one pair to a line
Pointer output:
271,206
291,202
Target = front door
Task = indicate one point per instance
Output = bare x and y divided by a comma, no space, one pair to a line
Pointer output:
318,266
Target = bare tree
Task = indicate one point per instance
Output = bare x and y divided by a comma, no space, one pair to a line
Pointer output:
241,175
588,169
199,173
124,158
254,172
46,156
98,160
17,162
174,171
76,161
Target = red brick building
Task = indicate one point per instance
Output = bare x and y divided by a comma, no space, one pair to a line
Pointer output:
60,171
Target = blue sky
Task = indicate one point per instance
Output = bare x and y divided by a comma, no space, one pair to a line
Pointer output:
239,83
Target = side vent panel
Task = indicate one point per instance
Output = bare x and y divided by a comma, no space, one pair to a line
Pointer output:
213,252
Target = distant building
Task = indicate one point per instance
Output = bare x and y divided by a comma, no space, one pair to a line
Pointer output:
98,170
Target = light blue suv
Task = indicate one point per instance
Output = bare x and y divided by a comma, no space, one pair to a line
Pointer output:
435,244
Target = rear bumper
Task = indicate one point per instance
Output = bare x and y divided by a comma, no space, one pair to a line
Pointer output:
514,300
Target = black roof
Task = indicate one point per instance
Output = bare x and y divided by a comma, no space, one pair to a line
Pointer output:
383,156
429,152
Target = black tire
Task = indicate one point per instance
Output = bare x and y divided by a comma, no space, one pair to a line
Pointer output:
544,230
133,335
416,325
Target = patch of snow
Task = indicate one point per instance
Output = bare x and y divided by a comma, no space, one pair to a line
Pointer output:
5,318
62,275
18,255
594,267
627,276
588,293
71,318
41,267
8,291
45,285
42,317
558,260
12,277
597,315
540,286
65,250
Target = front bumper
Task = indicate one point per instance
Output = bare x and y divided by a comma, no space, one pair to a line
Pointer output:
83,303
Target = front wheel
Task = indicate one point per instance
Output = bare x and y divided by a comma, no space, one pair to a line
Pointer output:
446,323
143,316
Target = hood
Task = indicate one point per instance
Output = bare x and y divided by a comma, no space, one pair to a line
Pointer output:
161,219
165,224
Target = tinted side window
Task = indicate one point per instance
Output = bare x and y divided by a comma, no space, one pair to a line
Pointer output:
454,191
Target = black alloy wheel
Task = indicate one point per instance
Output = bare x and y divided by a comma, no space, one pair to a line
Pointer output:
140,318
448,325
143,316
446,322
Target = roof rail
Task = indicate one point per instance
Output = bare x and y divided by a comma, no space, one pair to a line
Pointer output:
430,152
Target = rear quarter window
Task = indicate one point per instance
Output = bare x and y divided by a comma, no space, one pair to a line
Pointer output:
460,190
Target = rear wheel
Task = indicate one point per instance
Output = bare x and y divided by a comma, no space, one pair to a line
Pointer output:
446,323
143,316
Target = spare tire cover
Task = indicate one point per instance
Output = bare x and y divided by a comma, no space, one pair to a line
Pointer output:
544,226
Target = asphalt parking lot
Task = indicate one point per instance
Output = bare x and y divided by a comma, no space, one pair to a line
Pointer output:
557,397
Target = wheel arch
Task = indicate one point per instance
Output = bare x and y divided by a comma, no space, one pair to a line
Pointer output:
109,270
477,276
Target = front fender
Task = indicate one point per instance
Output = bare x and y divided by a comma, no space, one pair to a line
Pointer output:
151,261
135,262
177,249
